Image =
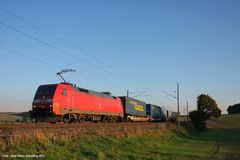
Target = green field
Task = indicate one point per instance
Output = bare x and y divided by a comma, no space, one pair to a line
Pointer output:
10,117
220,141
226,121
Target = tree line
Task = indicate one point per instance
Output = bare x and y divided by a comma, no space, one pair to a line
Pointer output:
234,109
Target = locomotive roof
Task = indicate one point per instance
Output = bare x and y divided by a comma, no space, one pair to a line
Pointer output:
102,94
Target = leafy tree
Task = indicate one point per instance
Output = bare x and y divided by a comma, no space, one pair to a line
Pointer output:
206,108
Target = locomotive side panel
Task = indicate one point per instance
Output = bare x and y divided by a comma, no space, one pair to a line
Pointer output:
95,103
76,100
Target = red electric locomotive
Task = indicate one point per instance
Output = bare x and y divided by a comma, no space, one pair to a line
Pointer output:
68,103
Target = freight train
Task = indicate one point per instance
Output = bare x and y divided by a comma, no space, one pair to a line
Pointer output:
68,103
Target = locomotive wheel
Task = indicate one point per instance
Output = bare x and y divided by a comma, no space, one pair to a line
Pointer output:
66,119
73,120
69,119
104,119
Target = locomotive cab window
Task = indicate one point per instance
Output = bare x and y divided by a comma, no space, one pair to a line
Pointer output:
64,92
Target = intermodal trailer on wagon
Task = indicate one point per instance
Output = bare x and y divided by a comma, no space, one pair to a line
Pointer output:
172,116
155,113
134,110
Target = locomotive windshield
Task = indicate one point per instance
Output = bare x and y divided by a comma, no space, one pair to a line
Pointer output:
46,91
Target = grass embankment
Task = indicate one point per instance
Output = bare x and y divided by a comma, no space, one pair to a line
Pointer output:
214,143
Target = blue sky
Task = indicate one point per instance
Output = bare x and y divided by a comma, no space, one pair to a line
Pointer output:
137,45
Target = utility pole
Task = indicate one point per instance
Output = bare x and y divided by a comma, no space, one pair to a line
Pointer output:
187,110
178,103
184,115
178,113
127,93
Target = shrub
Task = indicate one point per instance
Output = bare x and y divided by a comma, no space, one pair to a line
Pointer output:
197,119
